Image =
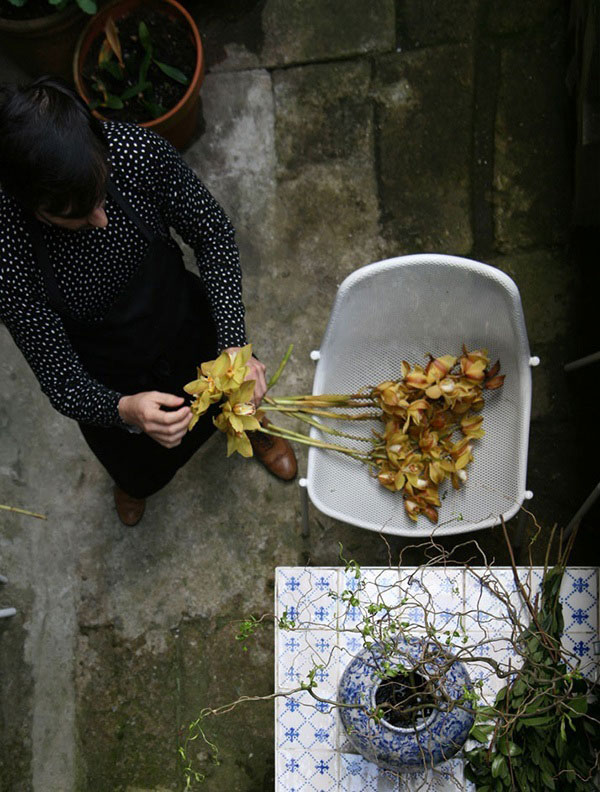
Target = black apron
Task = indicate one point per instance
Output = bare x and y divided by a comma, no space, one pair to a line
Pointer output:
158,330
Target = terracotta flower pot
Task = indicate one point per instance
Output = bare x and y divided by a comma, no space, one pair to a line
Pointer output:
178,124
43,45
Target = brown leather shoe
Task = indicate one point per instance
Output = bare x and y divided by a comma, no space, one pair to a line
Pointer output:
275,453
130,510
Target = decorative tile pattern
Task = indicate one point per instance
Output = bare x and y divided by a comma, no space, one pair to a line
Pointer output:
579,597
585,650
432,598
303,722
303,771
493,601
313,751
301,652
304,595
446,777
358,775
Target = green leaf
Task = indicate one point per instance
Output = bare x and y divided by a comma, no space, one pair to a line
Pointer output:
18,3
113,102
519,688
541,720
145,65
478,733
548,781
88,6
172,72
113,69
498,763
507,747
144,35
578,704
155,109
134,90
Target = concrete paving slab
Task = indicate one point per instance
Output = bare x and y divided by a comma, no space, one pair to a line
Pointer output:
513,16
277,33
323,113
426,23
423,122
532,161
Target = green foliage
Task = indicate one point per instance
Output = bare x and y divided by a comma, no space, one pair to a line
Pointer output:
543,731
246,629
120,78
87,6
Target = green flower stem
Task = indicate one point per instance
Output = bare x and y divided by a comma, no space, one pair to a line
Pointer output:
23,511
326,400
323,413
324,428
277,374
298,437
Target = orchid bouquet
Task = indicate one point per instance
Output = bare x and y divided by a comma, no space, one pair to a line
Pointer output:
430,417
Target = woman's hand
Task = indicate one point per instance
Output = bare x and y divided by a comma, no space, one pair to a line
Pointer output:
167,427
257,373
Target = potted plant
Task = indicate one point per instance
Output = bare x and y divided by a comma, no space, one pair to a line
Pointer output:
40,35
543,729
541,732
143,62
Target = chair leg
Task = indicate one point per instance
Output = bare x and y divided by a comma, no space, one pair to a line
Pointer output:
302,483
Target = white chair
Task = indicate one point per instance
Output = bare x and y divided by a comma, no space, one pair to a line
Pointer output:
402,309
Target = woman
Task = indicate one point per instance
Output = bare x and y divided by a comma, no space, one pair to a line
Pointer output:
94,291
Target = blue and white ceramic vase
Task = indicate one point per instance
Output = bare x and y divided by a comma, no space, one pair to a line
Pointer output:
424,740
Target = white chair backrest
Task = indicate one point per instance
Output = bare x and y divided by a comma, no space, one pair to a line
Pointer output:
403,309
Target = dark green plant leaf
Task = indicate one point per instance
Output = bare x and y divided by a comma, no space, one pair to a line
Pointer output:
113,102
541,720
144,35
498,763
548,781
18,3
113,69
579,704
507,747
478,733
135,90
88,6
145,65
172,72
155,109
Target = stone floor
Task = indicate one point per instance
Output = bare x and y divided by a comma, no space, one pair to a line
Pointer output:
334,133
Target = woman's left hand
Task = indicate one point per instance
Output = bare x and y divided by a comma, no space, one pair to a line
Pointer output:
256,372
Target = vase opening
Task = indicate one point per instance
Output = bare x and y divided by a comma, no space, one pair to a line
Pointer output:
406,699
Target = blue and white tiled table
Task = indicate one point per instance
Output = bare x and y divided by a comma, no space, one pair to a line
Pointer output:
312,752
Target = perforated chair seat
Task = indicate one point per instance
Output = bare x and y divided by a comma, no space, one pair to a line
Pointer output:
403,309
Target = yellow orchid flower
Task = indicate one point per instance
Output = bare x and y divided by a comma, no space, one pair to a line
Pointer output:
438,368
238,441
391,479
237,413
229,369
416,378
470,426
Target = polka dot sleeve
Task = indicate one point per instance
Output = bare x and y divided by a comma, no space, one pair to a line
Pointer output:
191,210
39,333
92,268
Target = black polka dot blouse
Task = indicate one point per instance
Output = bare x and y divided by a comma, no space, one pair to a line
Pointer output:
93,267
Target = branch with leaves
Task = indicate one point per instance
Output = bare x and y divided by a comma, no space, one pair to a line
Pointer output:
542,729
